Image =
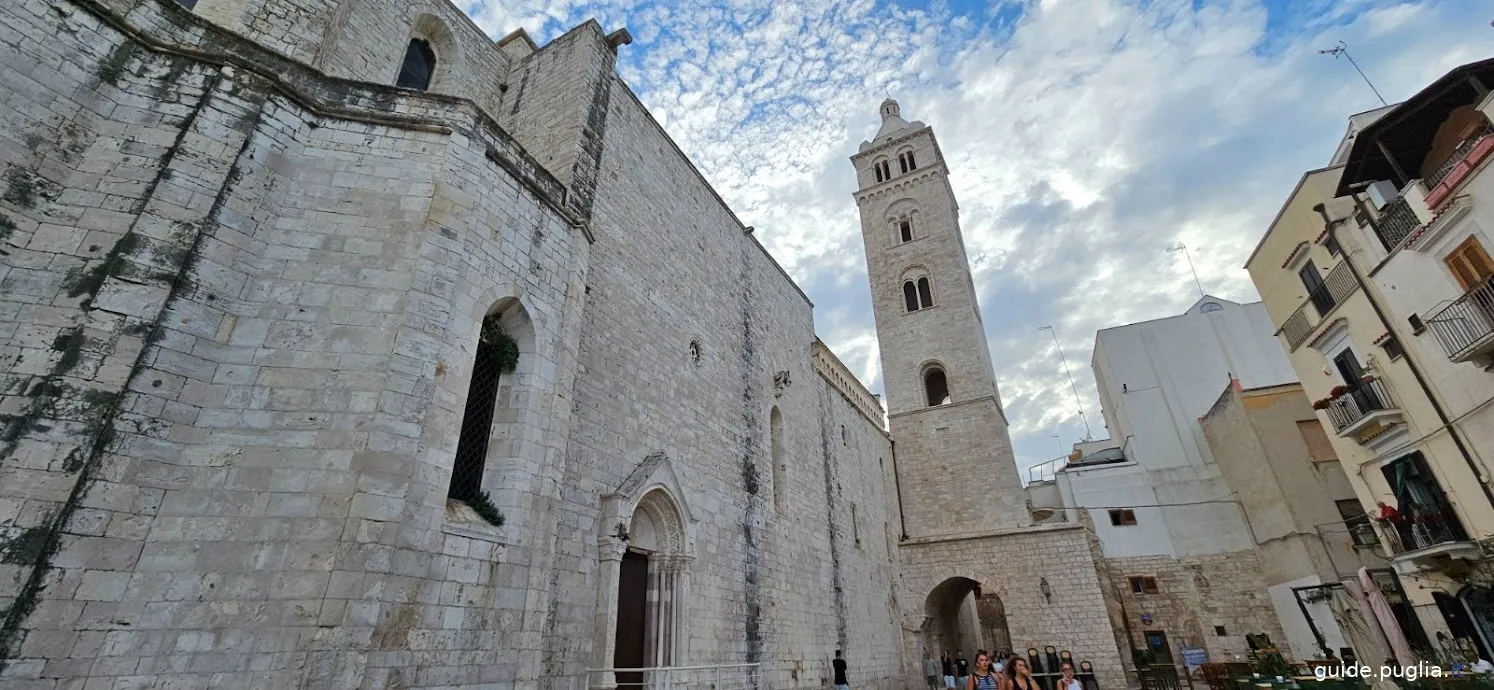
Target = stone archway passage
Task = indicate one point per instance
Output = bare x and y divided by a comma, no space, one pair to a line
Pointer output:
959,616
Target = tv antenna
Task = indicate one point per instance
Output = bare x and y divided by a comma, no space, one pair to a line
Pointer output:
1343,49
1077,400
1180,247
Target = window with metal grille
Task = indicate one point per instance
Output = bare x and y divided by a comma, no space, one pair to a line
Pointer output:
496,353
1357,522
419,66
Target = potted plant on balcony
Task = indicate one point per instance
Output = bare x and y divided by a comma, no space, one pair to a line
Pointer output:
1322,404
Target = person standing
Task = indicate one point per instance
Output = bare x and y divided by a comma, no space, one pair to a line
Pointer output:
1069,682
947,662
931,671
840,672
962,668
984,678
1019,676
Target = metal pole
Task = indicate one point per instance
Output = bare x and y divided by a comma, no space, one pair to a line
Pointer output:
1343,49
1077,400
1189,257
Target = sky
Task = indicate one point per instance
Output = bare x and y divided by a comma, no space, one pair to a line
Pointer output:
1083,138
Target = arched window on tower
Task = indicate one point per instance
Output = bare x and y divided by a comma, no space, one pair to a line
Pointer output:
905,229
419,66
496,353
886,170
902,162
936,387
910,295
925,294
911,165
780,464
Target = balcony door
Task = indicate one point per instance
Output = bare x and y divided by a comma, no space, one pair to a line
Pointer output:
1427,518
1316,290
1348,367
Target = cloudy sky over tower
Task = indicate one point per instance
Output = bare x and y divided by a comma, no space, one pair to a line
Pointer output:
1083,137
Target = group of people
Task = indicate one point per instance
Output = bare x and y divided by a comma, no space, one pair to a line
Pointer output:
993,671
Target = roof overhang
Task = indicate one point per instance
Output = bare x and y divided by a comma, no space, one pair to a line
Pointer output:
1406,132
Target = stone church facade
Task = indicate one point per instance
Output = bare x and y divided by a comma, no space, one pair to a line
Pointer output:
251,294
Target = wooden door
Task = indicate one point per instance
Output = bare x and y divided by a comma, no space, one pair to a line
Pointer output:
632,602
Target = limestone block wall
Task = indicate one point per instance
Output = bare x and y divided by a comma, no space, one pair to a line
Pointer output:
1010,565
237,339
1196,593
956,470
778,577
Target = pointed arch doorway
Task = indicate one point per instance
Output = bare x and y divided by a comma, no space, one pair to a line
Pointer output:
642,590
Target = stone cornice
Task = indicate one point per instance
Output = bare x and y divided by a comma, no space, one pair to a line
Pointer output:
899,183
835,372
165,27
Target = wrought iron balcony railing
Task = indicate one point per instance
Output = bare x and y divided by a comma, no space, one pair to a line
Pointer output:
1458,156
1397,221
1357,403
1336,288
1423,528
1467,325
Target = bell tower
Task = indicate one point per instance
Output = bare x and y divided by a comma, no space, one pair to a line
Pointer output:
954,455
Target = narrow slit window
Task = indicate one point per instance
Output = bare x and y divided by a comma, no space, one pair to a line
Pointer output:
910,295
925,294
477,420
905,229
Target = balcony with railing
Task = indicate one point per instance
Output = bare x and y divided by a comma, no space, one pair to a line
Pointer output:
1465,328
1336,287
1397,221
1465,159
1353,408
1423,529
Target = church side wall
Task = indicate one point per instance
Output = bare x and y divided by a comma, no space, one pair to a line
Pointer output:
672,265
238,341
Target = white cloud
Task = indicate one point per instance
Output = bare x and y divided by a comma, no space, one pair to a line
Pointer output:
1084,138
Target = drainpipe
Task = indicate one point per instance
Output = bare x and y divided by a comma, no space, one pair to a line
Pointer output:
902,522
1332,227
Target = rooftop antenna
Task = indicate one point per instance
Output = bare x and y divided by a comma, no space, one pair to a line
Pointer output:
1180,247
1077,399
1343,49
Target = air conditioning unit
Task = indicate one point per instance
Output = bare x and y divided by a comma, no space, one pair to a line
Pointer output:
1382,193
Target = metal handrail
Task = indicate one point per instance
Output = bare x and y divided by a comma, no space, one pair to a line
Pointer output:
1467,321
1457,156
706,676
1359,402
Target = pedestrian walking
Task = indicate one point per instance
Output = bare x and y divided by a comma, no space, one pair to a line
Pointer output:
931,671
840,672
947,662
962,668
984,678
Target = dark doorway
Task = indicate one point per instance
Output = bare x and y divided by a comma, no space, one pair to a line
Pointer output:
632,601
1316,290
1479,601
1156,641
1459,624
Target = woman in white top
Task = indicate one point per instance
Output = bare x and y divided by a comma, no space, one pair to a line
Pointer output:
1069,682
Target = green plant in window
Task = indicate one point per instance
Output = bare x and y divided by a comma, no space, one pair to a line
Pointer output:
505,349
483,506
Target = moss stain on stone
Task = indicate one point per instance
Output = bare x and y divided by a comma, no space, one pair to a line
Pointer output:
90,281
70,344
113,67
24,188
25,547
7,227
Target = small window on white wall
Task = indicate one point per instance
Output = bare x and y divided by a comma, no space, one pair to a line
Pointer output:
1207,307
